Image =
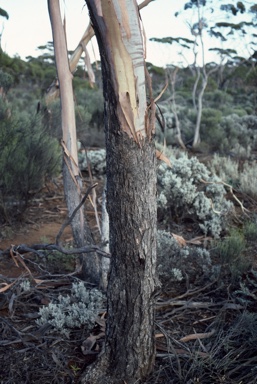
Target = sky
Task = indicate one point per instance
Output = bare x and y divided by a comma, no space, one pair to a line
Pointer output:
29,27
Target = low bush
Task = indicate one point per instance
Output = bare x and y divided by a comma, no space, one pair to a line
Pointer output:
27,156
78,308
179,263
230,251
241,178
187,190
250,230
95,159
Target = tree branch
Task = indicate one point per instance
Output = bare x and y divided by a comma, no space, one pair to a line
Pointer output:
37,248
69,220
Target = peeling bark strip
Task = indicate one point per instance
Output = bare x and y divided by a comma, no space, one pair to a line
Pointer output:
131,196
123,35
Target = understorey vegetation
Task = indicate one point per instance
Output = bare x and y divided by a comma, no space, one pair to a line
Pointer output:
52,323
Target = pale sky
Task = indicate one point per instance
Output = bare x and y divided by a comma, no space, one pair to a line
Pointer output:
29,27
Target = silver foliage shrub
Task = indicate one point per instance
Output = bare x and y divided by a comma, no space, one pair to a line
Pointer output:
239,134
242,178
96,160
187,189
226,168
177,263
79,308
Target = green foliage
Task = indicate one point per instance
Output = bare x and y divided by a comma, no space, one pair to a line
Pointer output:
58,262
90,117
211,134
6,81
231,250
217,99
3,13
251,78
183,42
27,156
153,69
250,230
233,9
236,134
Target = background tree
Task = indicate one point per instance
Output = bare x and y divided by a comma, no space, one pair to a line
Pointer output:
72,179
209,18
71,175
131,194
3,13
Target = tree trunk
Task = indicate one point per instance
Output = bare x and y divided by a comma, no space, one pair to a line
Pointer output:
131,196
172,77
131,201
71,175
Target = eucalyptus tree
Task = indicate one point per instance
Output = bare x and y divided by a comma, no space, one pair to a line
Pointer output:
204,16
72,180
4,14
131,193
131,183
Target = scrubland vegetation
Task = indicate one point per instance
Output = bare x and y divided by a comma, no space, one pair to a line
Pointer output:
207,225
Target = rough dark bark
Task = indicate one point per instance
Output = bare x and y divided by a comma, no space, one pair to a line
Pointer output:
131,204
131,197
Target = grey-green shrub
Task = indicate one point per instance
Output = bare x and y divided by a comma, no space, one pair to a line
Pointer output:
96,159
238,132
244,179
248,179
187,189
226,168
78,308
177,263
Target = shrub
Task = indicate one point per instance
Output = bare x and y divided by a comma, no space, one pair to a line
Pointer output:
90,117
210,132
228,170
250,230
27,156
96,159
79,308
231,247
238,132
177,263
6,81
248,181
217,99
231,253
187,190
